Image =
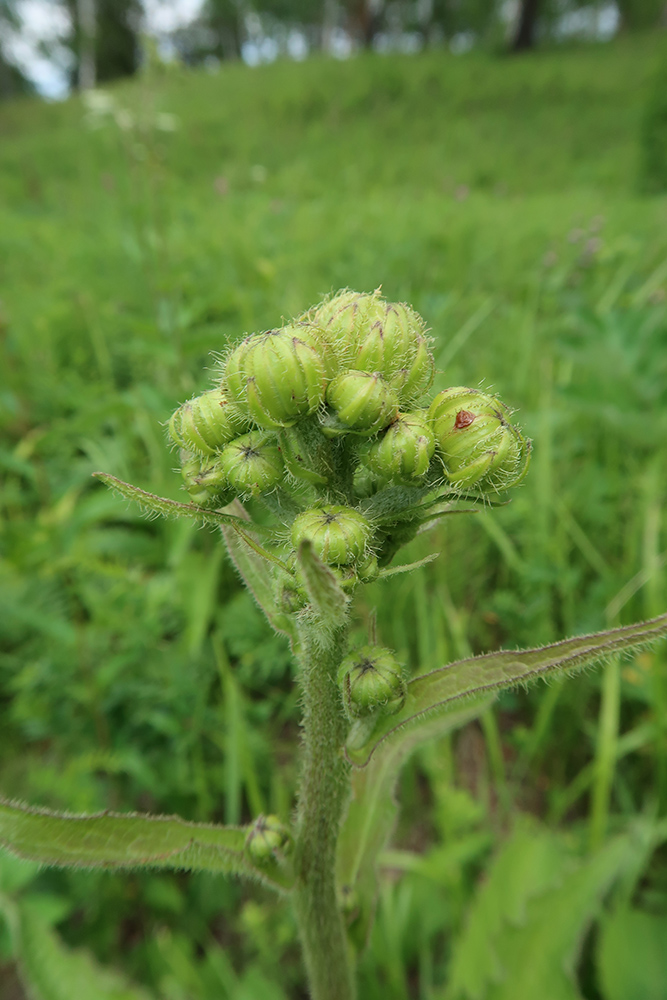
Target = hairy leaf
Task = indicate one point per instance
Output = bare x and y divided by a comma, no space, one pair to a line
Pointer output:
329,601
252,568
527,923
173,508
51,971
109,840
435,693
408,567
372,811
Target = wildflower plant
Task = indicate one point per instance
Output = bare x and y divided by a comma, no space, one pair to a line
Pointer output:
320,452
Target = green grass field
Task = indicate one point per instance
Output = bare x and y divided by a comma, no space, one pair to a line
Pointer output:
497,196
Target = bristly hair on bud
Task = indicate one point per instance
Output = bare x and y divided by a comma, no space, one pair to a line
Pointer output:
478,444
339,535
361,402
278,376
268,842
206,423
372,682
253,463
404,450
206,482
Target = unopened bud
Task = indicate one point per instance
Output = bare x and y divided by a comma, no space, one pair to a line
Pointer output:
372,681
206,423
416,377
279,375
404,451
206,482
363,403
253,463
478,444
338,534
344,319
389,345
268,842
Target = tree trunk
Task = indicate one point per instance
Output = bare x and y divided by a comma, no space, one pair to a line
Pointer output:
87,24
524,38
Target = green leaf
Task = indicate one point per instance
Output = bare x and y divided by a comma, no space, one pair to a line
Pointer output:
527,923
251,566
109,840
330,603
372,811
51,971
435,693
173,508
632,956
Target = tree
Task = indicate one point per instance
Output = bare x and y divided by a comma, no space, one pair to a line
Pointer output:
104,38
526,30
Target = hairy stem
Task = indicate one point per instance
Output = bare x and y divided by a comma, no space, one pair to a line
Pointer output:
323,796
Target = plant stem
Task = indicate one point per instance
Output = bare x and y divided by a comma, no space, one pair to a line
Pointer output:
323,795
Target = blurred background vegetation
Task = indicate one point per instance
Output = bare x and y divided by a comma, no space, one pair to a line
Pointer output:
518,204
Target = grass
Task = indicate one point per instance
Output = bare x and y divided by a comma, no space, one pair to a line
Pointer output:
499,197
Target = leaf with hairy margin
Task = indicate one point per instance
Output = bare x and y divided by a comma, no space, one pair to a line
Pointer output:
124,840
173,508
49,970
438,692
372,811
252,568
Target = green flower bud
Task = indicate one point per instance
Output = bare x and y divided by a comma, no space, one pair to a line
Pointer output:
278,375
344,319
405,449
253,463
362,403
235,376
389,345
478,444
269,841
338,534
206,423
416,377
206,482
372,681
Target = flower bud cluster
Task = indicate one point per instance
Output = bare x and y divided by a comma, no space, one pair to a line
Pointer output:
321,416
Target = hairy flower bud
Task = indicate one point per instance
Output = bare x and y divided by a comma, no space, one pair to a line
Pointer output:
206,482
372,681
268,841
390,342
363,403
412,381
253,463
478,444
279,376
343,320
405,449
338,534
206,423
